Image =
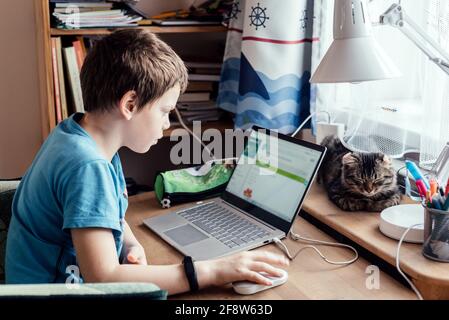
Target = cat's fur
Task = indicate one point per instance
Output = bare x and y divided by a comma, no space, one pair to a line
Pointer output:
358,181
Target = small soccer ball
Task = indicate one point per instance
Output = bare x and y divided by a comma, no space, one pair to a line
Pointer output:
165,203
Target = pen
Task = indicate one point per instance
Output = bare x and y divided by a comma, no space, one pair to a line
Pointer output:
428,198
446,204
416,173
433,187
446,191
421,188
441,191
437,203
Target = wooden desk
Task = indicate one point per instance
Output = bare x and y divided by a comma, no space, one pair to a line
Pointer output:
430,277
309,276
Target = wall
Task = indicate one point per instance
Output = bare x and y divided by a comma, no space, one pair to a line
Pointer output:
20,122
20,119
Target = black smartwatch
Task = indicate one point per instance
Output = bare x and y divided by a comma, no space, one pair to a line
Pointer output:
189,269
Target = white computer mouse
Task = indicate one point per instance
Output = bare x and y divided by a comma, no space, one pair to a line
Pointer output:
247,287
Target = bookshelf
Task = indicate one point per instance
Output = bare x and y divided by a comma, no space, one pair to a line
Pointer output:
155,29
44,45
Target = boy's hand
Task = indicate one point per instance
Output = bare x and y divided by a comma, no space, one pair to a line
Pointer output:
135,255
241,266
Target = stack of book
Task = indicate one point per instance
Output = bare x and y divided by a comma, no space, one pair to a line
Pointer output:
199,111
198,102
93,14
204,71
66,65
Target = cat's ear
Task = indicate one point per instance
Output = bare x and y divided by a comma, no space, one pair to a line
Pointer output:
386,160
348,159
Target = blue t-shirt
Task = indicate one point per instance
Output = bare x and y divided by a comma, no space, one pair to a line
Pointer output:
69,185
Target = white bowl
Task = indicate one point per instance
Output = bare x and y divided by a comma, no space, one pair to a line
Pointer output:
394,221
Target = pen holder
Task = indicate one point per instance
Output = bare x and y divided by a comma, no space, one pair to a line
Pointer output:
436,234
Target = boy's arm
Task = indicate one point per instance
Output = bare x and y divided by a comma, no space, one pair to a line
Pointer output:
98,261
133,250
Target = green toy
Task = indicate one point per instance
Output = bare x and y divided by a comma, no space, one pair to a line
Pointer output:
188,185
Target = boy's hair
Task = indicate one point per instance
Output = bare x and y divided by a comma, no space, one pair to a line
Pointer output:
126,60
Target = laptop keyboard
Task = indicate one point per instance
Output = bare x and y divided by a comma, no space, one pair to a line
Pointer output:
223,224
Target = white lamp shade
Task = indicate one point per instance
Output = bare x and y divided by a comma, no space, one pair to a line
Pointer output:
354,56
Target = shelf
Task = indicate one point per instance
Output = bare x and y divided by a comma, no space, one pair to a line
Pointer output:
154,29
220,125
44,34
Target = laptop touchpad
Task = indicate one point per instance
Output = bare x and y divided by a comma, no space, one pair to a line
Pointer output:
186,235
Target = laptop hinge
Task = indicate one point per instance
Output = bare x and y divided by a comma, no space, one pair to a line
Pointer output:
253,217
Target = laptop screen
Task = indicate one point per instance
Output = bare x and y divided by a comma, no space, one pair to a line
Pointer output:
274,173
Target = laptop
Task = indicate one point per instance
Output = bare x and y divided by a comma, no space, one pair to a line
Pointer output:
265,193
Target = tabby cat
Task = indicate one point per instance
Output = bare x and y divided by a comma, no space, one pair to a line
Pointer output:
358,181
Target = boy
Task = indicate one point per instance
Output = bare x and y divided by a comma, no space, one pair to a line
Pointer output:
68,212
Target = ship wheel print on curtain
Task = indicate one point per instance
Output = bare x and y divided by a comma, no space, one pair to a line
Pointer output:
258,16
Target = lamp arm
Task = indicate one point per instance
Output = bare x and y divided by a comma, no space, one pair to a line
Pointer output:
396,17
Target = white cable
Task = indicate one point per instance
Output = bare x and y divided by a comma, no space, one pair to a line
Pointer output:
210,162
307,120
297,237
398,264
181,121
221,160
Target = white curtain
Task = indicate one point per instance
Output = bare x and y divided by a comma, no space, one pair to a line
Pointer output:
401,115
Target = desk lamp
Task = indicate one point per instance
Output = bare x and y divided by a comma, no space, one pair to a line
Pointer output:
355,57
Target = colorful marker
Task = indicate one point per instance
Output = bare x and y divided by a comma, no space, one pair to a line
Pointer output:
446,191
436,203
446,204
428,197
433,187
421,188
441,191
440,200
416,173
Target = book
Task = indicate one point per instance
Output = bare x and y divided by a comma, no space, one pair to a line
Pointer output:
201,105
204,77
195,86
71,10
199,113
90,14
62,90
213,117
145,22
209,65
74,78
79,53
194,96
93,19
83,4
101,24
83,45
58,109
211,71
183,22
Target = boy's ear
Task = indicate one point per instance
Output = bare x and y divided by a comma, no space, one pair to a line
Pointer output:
128,104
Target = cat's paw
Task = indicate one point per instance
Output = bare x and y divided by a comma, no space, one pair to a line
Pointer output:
378,206
349,204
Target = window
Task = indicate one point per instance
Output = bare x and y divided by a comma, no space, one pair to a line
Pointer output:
397,116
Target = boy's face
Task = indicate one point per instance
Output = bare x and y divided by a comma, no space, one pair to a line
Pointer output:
146,126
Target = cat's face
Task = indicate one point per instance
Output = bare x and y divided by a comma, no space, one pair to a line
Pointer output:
367,174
